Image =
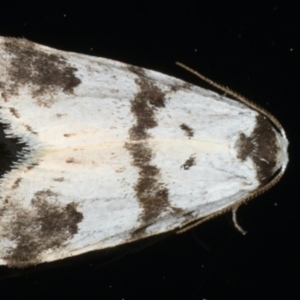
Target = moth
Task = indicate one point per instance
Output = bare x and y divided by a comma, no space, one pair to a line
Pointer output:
96,153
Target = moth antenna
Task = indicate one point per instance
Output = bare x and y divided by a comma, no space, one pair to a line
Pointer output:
236,96
235,221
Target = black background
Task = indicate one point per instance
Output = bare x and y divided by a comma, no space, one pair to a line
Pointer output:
252,48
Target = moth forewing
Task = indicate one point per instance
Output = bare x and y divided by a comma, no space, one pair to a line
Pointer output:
102,153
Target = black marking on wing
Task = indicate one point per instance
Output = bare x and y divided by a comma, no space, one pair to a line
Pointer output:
47,225
188,130
16,183
14,112
261,146
191,161
40,71
150,190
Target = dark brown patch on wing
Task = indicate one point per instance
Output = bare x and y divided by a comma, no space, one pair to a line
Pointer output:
70,160
48,225
60,115
69,134
3,94
150,190
14,112
16,183
31,166
60,179
42,71
30,129
146,102
188,130
191,161
261,146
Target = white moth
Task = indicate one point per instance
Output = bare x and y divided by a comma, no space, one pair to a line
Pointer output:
96,153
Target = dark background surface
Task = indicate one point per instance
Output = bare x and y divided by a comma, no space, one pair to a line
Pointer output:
252,48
